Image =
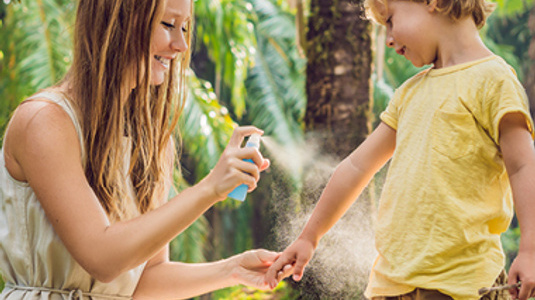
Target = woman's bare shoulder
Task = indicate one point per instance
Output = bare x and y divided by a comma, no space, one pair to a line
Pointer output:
37,125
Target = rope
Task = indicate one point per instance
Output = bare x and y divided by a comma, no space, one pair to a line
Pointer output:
76,294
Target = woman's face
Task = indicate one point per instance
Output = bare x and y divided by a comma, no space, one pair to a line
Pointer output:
169,38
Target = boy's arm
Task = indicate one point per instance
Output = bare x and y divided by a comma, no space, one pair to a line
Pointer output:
347,182
519,157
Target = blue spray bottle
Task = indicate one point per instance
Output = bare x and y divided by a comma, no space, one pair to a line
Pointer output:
240,191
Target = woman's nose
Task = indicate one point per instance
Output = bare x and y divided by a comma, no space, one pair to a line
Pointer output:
179,43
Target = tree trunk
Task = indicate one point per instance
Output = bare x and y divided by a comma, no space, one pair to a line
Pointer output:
339,116
530,76
338,75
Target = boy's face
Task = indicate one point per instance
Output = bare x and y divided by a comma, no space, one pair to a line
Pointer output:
411,31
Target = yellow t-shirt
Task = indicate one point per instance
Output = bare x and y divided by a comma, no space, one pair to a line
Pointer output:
447,196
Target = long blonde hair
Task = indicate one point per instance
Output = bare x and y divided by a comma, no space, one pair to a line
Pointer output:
112,46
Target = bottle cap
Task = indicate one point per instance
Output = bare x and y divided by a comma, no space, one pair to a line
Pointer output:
253,141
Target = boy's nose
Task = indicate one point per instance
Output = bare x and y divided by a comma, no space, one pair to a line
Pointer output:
389,37
389,41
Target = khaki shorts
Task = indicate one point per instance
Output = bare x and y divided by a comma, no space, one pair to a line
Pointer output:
423,294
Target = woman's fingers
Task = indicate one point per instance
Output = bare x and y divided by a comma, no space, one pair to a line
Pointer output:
240,133
248,168
267,257
235,167
252,154
265,165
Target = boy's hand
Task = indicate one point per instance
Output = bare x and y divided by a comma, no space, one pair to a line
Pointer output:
298,254
523,269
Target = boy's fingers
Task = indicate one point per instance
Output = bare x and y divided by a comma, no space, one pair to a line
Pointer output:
285,272
514,291
524,293
271,275
527,289
273,271
299,268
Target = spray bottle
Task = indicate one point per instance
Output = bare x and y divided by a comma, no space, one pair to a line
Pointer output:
240,191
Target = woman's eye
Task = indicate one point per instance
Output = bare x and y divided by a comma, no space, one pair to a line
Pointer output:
168,25
184,29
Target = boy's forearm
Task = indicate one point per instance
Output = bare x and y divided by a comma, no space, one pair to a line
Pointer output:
518,152
345,185
523,186
349,180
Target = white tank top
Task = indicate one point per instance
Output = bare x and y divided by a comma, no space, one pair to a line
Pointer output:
33,260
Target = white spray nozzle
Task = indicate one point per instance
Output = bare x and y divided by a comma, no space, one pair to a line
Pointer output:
253,141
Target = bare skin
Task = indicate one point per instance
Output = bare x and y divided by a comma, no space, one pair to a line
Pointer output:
519,156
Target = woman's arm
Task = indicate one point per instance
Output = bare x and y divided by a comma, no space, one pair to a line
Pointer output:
162,279
173,280
44,151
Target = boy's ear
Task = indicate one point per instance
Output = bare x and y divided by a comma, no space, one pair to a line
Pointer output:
432,5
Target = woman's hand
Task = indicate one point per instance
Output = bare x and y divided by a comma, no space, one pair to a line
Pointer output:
231,170
250,267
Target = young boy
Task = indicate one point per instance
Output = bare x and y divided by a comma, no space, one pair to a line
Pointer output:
461,142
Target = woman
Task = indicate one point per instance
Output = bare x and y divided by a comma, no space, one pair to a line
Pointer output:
87,165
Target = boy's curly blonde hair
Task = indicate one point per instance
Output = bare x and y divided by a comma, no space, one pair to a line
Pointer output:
455,9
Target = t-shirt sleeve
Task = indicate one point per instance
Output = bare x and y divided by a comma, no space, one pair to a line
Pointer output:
505,96
390,115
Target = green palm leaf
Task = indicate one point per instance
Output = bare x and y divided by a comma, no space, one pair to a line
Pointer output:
205,129
508,7
36,51
49,42
205,126
276,84
225,29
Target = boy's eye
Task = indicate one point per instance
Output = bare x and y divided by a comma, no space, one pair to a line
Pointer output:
389,20
168,25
